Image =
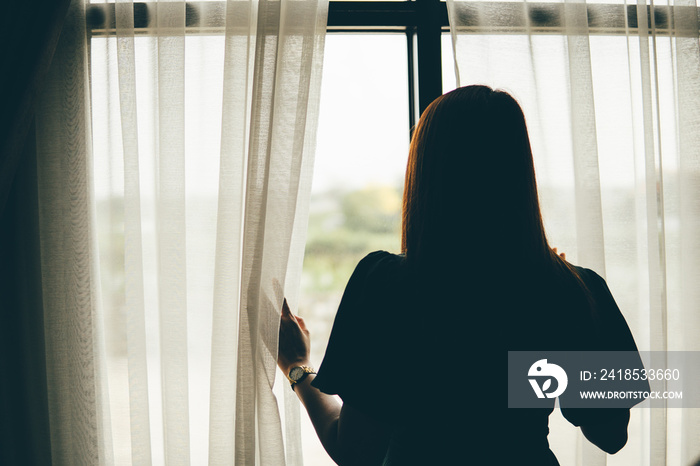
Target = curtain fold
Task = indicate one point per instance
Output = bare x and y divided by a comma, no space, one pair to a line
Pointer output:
287,37
139,415
611,94
687,270
75,359
175,166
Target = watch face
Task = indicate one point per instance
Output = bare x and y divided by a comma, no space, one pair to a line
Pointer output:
296,373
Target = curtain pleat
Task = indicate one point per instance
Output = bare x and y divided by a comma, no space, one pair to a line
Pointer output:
239,53
589,214
652,184
251,332
687,57
287,53
305,140
78,398
614,127
140,428
171,229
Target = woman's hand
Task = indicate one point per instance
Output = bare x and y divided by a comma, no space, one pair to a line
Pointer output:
294,342
562,255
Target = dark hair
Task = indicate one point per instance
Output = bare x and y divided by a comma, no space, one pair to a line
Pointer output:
470,191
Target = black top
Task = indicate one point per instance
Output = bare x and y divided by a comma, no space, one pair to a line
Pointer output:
425,354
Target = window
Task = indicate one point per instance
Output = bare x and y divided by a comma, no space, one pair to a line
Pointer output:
384,62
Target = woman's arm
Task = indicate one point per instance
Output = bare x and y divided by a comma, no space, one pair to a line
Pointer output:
349,436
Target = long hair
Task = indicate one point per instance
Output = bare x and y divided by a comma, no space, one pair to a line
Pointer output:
470,191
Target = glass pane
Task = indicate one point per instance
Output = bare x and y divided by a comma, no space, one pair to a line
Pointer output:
363,138
449,78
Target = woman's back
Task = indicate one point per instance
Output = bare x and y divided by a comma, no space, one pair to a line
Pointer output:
425,351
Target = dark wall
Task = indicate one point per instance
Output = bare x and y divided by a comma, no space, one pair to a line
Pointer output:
24,417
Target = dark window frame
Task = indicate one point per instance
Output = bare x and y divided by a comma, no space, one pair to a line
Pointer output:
422,21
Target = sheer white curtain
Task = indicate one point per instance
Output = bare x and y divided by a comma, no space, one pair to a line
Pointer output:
175,162
612,98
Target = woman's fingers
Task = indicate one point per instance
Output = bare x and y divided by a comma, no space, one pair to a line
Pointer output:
294,340
287,315
286,312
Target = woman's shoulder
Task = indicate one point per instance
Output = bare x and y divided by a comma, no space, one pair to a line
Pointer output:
595,283
587,273
379,279
373,267
382,256
379,263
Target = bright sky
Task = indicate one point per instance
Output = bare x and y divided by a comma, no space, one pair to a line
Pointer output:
363,129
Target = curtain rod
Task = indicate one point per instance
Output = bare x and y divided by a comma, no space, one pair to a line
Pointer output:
392,16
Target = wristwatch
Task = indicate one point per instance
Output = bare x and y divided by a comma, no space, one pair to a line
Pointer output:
299,373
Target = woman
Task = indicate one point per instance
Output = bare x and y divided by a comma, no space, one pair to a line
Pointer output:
419,344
